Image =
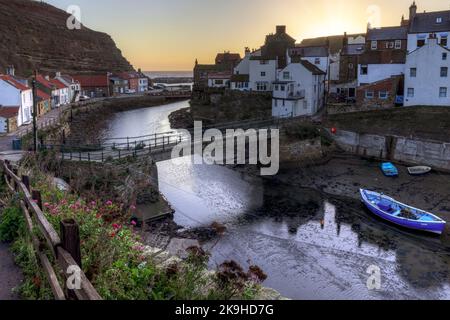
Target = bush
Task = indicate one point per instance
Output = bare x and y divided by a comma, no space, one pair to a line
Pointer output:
10,223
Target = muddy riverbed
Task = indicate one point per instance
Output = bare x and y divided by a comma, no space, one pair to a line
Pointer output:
307,229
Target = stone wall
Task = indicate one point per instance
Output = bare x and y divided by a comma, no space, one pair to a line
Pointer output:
401,149
338,108
301,151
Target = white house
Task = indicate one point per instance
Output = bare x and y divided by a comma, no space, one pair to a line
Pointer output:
73,86
316,55
15,93
263,72
299,90
62,93
219,79
428,83
421,25
240,79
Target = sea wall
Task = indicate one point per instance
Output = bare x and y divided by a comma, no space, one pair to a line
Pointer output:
395,148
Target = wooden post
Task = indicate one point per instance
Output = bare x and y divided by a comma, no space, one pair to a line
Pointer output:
36,194
70,239
26,181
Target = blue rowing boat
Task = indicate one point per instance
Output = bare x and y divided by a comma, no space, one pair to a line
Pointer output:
401,214
389,169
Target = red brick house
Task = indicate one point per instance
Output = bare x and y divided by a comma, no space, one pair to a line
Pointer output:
380,94
94,86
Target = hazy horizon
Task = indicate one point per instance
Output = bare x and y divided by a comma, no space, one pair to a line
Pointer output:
168,35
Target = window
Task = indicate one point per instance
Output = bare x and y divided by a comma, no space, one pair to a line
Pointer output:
317,61
369,94
444,56
383,94
286,75
283,88
263,73
261,86
398,44
442,92
444,41
420,42
410,92
413,72
444,72
364,69
315,88
263,62
276,102
276,87
439,20
374,45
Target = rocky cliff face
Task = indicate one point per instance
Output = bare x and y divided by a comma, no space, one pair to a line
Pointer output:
34,35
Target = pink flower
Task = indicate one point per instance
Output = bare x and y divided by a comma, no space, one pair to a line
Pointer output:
133,207
133,223
46,204
109,203
116,226
93,203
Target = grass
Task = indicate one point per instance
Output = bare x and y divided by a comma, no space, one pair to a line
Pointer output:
420,122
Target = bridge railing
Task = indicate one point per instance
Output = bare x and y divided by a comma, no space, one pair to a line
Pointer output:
65,249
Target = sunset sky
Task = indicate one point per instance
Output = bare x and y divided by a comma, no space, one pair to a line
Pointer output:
158,35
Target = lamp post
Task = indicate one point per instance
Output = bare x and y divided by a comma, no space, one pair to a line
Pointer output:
35,142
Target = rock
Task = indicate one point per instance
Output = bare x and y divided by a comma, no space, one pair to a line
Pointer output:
60,184
178,246
34,35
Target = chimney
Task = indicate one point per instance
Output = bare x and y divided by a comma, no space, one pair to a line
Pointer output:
281,29
10,71
345,40
412,11
247,51
432,39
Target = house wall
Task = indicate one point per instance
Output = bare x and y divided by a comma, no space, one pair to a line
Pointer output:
323,65
305,81
218,83
428,80
377,72
390,86
387,45
413,37
255,73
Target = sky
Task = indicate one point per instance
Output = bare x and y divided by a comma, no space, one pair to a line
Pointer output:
168,35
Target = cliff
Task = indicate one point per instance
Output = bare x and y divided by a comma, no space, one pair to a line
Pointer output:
34,35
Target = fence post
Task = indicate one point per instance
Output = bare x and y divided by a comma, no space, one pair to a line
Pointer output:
89,157
26,181
70,239
128,144
36,194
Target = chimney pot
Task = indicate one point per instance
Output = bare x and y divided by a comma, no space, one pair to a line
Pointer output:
281,29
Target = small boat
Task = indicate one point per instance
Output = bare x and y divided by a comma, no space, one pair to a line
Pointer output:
419,170
389,169
401,214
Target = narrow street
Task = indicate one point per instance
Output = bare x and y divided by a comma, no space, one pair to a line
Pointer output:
10,274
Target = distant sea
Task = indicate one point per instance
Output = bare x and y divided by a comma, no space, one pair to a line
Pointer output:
168,74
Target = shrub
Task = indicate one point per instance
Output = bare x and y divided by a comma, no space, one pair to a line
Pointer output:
10,223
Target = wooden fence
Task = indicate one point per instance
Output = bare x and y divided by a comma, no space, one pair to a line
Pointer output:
65,249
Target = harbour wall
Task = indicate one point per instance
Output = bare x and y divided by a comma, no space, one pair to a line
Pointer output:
435,154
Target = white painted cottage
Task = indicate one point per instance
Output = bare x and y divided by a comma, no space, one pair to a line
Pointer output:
263,72
15,93
428,83
299,90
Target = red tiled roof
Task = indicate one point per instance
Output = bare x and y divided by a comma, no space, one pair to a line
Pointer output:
9,112
14,82
92,80
42,95
44,82
58,84
219,75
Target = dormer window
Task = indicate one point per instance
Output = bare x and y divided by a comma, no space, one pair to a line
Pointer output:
439,20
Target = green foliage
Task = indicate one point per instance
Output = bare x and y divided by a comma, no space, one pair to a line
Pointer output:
11,220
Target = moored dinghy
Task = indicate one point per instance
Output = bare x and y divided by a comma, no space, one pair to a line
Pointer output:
389,169
419,170
401,214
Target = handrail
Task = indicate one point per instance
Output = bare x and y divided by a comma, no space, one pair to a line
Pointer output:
32,211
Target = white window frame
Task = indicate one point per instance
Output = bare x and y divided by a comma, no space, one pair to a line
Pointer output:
446,72
443,92
398,44
371,95
374,45
410,92
384,96
411,74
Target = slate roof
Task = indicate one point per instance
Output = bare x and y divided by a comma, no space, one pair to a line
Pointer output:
312,68
219,75
335,42
310,51
426,22
383,57
387,33
240,78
